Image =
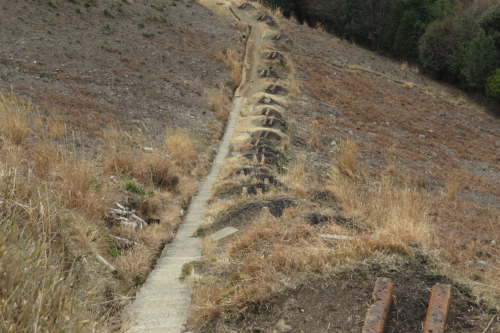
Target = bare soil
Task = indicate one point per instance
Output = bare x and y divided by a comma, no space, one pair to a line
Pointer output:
122,64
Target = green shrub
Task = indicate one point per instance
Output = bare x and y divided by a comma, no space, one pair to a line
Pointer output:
89,3
493,85
107,13
76,2
132,186
53,4
113,250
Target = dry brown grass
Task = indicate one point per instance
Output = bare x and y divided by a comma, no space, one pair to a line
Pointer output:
296,177
409,85
231,58
181,148
452,186
404,67
54,217
347,160
15,117
315,135
220,104
274,253
319,28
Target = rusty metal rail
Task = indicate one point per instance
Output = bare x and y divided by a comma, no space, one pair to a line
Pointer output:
437,313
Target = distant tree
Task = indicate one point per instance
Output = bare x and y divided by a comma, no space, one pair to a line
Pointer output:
490,22
493,85
405,24
444,36
409,31
441,8
475,61
287,6
357,19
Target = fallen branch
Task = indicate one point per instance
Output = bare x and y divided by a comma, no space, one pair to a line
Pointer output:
139,219
327,105
106,263
489,325
121,207
124,242
119,212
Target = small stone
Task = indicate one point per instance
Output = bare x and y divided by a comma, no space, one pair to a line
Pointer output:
182,212
493,242
219,3
334,143
282,327
148,149
350,132
481,264
468,263
112,177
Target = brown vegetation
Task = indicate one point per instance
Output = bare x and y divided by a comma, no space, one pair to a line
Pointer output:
55,201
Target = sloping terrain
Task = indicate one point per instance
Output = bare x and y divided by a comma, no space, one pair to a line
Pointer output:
336,140
344,167
116,62
106,130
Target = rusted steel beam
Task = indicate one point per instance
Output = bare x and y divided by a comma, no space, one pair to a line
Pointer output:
381,303
439,306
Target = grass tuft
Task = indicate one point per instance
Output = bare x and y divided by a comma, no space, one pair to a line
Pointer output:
181,148
347,162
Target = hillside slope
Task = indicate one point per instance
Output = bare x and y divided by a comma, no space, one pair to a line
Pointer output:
129,101
105,121
337,140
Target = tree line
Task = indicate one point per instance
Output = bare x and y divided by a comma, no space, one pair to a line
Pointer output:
457,39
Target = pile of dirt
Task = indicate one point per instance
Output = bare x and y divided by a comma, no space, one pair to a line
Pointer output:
339,303
241,216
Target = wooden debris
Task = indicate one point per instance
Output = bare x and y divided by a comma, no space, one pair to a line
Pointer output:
124,242
106,263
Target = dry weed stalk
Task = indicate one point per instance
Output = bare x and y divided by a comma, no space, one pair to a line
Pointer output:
396,217
347,161
15,118
181,148
408,85
451,186
315,135
296,177
220,104
319,28
404,67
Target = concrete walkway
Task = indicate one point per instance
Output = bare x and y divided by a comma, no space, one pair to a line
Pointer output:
162,303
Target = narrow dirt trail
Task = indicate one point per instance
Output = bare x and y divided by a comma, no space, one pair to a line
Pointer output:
163,301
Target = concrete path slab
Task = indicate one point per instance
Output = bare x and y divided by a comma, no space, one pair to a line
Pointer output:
223,233
162,303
